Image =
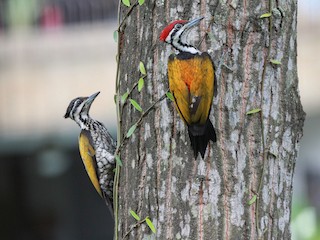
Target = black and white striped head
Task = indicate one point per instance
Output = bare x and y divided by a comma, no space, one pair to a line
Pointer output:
78,110
176,34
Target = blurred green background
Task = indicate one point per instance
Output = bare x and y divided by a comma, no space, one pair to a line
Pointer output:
54,50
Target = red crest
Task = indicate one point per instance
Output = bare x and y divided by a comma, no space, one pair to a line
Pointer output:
165,32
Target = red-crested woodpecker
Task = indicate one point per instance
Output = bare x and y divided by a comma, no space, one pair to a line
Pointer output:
191,82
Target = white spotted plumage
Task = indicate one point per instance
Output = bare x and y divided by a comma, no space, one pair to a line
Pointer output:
99,160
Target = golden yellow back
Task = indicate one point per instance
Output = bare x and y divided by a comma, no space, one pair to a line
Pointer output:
87,153
191,81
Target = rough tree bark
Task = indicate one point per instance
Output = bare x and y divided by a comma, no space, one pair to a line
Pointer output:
209,199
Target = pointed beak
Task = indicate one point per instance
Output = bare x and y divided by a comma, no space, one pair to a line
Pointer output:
88,102
90,99
192,23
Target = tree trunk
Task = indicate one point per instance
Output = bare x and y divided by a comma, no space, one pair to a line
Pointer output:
243,187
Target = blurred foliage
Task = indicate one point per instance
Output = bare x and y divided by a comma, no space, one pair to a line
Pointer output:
22,13
304,222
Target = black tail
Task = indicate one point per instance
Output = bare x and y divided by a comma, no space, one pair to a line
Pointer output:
200,136
109,203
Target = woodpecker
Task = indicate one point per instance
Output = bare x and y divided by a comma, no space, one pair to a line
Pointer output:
96,147
191,82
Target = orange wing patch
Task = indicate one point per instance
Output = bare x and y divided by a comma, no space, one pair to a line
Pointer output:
191,81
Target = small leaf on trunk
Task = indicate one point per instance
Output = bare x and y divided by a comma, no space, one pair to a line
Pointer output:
126,2
131,130
140,84
274,61
256,110
266,15
135,104
115,36
134,215
170,96
150,224
252,200
124,97
142,68
118,160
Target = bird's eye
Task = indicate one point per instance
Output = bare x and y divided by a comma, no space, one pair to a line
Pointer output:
178,26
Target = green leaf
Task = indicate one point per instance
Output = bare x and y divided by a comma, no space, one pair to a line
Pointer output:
274,61
124,97
115,36
134,215
135,104
170,96
115,98
266,15
131,130
126,2
142,68
150,224
252,200
141,2
140,84
256,110
118,160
